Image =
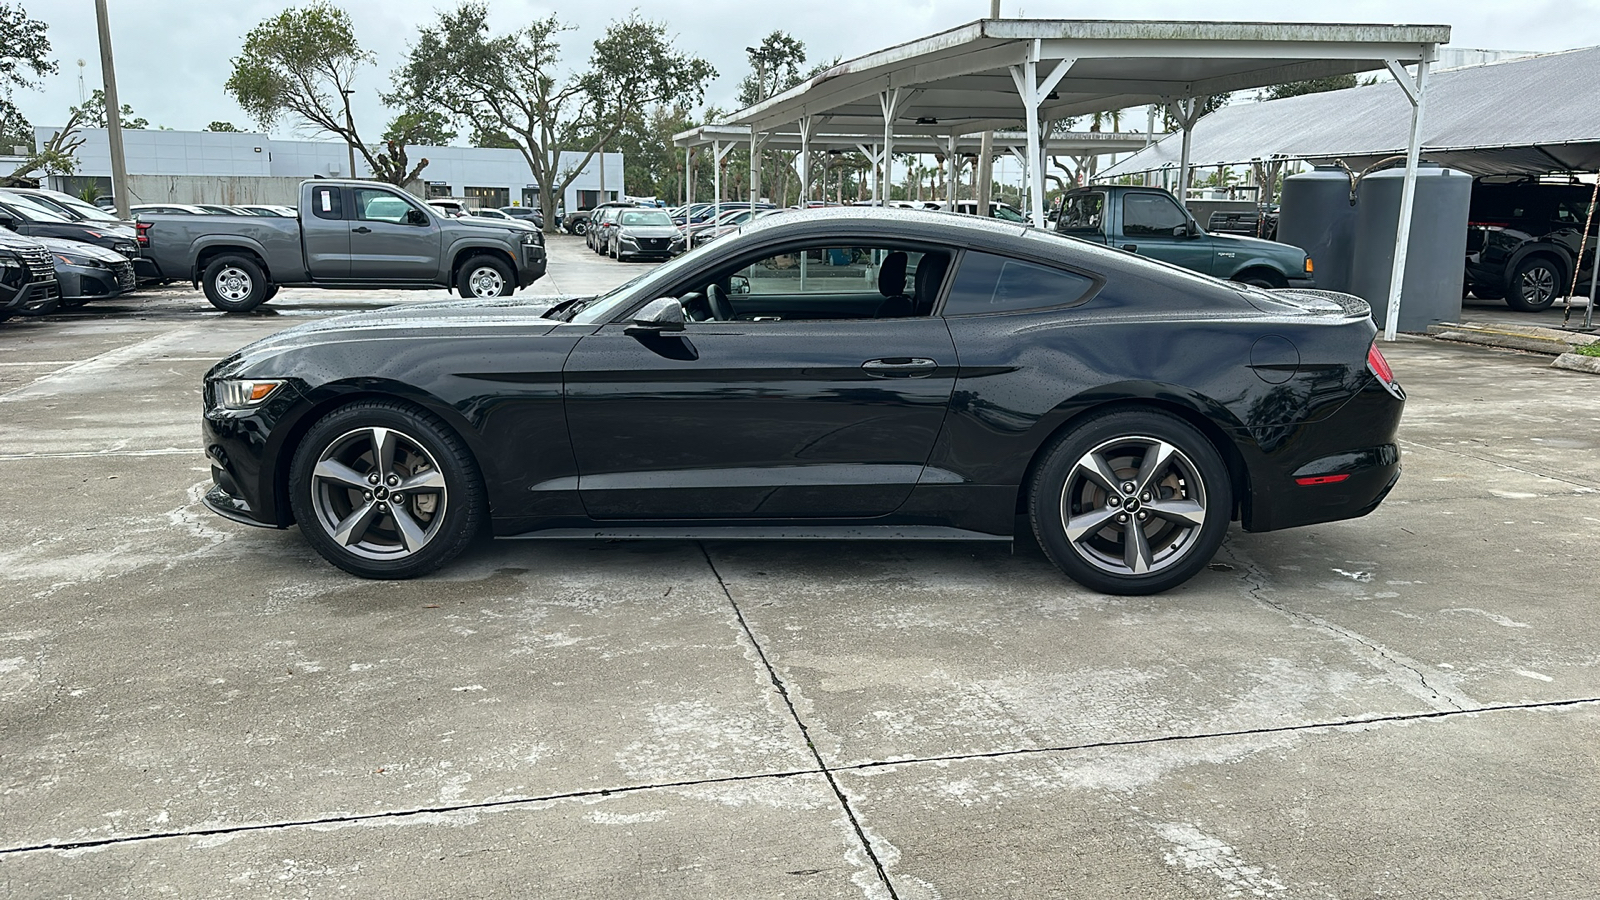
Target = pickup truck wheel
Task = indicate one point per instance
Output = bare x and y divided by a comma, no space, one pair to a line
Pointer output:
580,228
483,277
235,284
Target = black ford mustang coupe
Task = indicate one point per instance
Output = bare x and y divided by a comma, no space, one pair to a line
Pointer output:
836,374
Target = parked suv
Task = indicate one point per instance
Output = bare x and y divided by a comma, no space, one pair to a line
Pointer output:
1522,241
27,277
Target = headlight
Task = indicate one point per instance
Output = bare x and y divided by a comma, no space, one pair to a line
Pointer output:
9,260
128,250
532,237
240,393
84,261
627,239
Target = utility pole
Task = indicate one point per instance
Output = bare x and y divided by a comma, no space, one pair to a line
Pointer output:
108,73
985,173
350,126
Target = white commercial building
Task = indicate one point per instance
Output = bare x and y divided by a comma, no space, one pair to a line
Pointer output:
225,167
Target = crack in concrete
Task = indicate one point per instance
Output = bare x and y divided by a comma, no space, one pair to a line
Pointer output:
822,765
1502,463
397,814
1440,698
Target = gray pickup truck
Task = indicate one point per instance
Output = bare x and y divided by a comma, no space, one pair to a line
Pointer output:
1148,221
349,234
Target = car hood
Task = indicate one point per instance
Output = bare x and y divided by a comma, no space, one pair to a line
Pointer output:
1254,245
494,224
429,321
13,241
79,248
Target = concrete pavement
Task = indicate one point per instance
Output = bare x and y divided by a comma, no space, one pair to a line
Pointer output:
1406,705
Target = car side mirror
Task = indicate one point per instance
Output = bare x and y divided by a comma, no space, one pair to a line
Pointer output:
416,217
658,317
8,223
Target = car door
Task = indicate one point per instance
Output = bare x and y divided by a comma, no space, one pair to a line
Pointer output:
801,406
388,242
1154,225
325,233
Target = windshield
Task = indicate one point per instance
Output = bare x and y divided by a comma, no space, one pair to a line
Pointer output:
33,212
83,210
646,218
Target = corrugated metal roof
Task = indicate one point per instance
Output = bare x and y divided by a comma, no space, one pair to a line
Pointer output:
1532,115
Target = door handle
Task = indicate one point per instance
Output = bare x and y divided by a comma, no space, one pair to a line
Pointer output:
1131,248
900,367
361,230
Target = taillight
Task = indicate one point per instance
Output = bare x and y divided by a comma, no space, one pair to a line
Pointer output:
1379,366
143,236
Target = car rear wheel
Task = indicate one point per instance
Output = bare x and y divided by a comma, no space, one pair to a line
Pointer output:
484,277
384,490
235,283
1131,502
1536,282
580,228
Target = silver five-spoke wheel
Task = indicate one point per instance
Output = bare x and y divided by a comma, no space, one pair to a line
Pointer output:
1133,505
1131,501
379,493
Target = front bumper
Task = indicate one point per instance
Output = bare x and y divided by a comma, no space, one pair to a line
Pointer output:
244,457
80,284
532,265
1308,284
36,298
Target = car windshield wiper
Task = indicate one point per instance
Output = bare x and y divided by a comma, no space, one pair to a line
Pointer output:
566,309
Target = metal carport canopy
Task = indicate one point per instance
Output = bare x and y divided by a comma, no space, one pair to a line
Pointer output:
994,72
1521,116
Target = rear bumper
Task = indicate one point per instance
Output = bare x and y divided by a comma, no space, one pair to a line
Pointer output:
1357,442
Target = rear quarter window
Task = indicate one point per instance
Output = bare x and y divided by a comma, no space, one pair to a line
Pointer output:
987,283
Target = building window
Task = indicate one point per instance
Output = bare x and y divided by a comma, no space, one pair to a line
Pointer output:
438,189
492,197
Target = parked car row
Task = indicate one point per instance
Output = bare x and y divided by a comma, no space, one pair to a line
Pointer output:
58,251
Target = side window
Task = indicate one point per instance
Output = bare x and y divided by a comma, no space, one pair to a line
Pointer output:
327,203
1082,213
1150,214
986,283
374,205
820,281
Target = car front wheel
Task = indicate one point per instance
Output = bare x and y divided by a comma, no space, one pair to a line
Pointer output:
484,277
385,490
1131,502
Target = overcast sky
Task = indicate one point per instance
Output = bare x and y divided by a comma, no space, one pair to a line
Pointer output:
174,55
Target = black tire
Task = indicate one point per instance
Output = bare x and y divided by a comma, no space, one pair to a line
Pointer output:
235,283
611,250
1259,279
272,291
580,227
1191,488
1535,283
483,277
381,546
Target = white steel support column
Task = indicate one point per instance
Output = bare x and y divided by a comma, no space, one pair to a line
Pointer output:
756,143
1149,138
720,151
952,163
805,168
1034,92
890,101
1184,113
874,155
1416,92
688,175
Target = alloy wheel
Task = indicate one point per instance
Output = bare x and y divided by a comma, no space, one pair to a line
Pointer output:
1538,285
234,284
1133,505
378,493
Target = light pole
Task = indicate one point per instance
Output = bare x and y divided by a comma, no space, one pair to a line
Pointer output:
350,130
108,73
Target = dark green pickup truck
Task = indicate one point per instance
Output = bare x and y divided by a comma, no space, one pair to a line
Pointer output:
1149,222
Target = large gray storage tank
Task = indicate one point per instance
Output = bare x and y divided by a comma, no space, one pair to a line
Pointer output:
1436,253
1317,214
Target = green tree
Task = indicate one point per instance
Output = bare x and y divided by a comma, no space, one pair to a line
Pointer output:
24,60
390,160
510,83
302,63
774,67
1313,86
487,135
58,154
94,115
223,126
